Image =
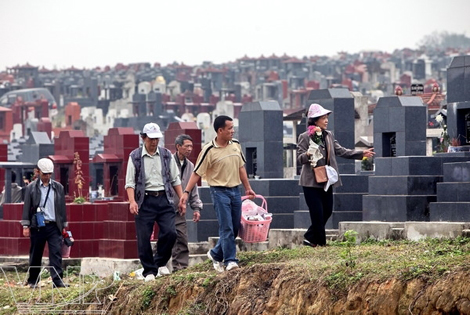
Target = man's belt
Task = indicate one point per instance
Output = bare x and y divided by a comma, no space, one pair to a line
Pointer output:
154,193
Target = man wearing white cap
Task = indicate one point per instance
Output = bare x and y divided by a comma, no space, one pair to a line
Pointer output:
318,147
151,174
44,220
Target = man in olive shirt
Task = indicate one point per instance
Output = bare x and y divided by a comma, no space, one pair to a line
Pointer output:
222,163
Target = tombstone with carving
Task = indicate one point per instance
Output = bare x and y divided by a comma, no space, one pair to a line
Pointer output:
261,134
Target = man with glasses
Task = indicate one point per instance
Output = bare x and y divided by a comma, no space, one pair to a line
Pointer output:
44,220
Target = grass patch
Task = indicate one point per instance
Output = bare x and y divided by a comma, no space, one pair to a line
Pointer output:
337,266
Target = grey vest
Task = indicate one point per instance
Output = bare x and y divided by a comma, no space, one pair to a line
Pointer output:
139,191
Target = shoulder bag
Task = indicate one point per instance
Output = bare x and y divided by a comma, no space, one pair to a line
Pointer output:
320,171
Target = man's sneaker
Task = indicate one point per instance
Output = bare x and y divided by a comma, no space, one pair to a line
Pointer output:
149,277
163,271
218,266
232,265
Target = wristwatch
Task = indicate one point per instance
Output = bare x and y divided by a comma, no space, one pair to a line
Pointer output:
186,192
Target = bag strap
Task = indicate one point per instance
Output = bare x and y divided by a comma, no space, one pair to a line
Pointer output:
327,152
47,195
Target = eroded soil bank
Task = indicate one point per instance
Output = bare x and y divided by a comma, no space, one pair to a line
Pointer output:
278,289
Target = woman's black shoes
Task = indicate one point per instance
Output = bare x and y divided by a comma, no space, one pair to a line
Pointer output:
307,243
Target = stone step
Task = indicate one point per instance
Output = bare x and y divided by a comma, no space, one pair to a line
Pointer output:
197,248
197,258
449,211
241,245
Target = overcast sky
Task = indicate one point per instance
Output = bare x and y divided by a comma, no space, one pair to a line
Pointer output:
85,33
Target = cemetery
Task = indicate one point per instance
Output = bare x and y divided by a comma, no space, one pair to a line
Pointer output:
406,185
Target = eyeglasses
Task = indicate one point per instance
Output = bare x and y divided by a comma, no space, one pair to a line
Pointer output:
46,174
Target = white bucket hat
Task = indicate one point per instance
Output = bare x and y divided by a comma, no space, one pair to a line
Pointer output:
46,165
316,110
152,130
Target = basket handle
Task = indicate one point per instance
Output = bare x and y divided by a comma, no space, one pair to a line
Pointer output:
264,204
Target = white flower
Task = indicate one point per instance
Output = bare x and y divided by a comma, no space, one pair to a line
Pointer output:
439,118
315,153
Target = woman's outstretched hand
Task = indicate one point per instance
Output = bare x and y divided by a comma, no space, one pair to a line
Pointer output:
368,153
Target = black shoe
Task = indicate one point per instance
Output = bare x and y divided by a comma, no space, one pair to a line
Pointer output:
307,243
33,285
60,285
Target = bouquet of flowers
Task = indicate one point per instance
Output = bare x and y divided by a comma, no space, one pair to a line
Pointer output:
315,141
315,134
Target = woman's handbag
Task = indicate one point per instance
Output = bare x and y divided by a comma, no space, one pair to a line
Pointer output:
320,174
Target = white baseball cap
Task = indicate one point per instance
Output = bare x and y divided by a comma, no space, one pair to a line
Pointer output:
152,130
316,110
46,165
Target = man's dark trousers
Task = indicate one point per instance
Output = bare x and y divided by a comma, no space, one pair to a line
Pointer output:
39,236
155,209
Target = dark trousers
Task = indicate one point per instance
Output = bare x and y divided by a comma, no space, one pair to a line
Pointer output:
155,209
50,234
320,206
180,253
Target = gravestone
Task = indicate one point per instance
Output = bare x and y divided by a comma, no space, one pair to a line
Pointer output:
400,126
140,106
109,167
453,199
405,180
72,146
458,99
261,133
36,147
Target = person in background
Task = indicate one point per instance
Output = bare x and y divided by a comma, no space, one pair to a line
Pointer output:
152,178
319,201
16,191
184,147
222,163
33,176
49,196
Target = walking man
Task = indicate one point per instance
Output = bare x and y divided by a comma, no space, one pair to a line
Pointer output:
184,147
222,163
152,177
45,197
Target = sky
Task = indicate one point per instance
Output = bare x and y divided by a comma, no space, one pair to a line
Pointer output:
86,34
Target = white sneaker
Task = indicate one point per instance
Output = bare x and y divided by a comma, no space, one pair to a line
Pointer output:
149,277
232,265
218,266
163,271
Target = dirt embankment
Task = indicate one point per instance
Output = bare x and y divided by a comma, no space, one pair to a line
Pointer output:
279,289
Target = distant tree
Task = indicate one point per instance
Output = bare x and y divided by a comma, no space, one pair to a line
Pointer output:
445,40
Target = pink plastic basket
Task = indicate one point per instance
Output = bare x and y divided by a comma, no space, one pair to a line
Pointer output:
65,250
254,231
